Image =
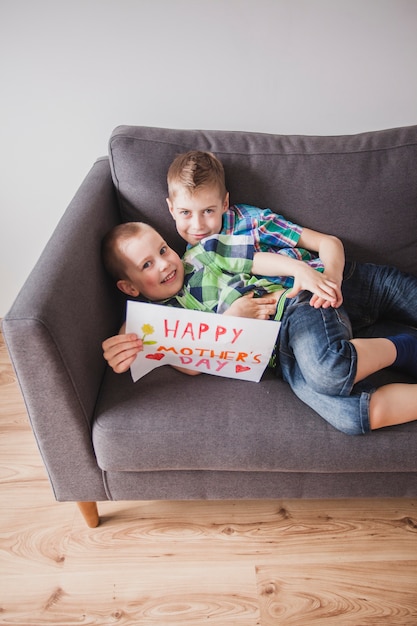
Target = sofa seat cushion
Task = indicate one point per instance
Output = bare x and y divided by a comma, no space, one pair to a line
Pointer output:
219,424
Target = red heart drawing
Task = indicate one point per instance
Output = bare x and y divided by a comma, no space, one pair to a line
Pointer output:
155,357
241,368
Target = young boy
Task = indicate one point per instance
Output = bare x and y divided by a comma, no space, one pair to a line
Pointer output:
143,264
199,203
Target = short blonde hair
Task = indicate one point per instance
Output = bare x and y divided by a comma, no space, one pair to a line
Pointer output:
112,243
195,169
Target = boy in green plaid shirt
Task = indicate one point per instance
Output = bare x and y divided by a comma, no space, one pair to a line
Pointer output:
212,276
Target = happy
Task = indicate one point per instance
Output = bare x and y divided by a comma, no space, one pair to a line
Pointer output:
194,332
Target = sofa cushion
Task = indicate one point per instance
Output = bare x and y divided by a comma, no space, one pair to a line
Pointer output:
223,424
362,188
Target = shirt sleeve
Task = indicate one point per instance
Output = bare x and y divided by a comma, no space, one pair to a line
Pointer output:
230,253
269,228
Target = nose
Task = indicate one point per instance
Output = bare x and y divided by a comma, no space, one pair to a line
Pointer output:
163,263
197,221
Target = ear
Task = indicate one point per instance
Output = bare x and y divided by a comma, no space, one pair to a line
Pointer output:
226,202
127,288
170,207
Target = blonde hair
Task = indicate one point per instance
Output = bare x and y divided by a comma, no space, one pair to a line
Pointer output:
112,243
195,169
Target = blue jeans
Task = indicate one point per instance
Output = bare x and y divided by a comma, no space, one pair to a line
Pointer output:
315,354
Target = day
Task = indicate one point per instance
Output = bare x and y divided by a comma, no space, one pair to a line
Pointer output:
207,363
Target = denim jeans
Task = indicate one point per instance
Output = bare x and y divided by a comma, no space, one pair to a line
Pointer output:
315,354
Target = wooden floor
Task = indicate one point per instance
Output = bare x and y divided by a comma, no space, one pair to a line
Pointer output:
266,563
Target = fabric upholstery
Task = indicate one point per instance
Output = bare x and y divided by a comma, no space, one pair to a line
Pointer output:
355,186
177,437
230,425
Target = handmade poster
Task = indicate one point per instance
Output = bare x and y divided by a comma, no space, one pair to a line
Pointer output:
221,345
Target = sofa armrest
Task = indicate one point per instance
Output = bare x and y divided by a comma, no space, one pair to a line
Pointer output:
54,331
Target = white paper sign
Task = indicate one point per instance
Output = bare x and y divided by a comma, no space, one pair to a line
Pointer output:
222,345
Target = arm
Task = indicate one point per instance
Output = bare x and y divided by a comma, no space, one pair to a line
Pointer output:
331,252
255,308
121,350
325,287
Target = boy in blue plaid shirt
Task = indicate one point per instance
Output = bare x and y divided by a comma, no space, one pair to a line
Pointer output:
199,203
143,264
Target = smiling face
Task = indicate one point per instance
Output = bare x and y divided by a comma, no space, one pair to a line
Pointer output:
151,268
198,214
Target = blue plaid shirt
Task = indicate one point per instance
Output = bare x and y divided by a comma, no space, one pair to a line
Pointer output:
271,233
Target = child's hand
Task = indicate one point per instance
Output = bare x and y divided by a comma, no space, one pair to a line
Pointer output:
326,291
255,308
318,302
121,350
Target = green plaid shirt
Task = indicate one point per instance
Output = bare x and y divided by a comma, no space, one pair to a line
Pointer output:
217,272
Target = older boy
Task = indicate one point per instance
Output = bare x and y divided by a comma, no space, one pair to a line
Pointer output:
199,203
143,264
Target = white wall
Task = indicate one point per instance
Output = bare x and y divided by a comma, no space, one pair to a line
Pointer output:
72,70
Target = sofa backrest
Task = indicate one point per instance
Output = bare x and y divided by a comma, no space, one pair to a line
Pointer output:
362,188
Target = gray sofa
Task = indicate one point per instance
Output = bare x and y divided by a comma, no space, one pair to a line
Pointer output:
170,436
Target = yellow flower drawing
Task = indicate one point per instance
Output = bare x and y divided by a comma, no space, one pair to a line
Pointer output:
147,329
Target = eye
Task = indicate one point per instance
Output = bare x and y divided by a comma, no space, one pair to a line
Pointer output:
185,213
146,265
163,250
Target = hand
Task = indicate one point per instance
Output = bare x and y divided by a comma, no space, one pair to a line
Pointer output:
326,291
255,308
318,302
121,350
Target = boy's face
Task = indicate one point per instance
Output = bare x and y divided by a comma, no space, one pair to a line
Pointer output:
198,215
152,268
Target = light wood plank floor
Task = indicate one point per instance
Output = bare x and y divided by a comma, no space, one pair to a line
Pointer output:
256,563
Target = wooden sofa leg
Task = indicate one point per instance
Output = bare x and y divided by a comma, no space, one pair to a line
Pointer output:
89,511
